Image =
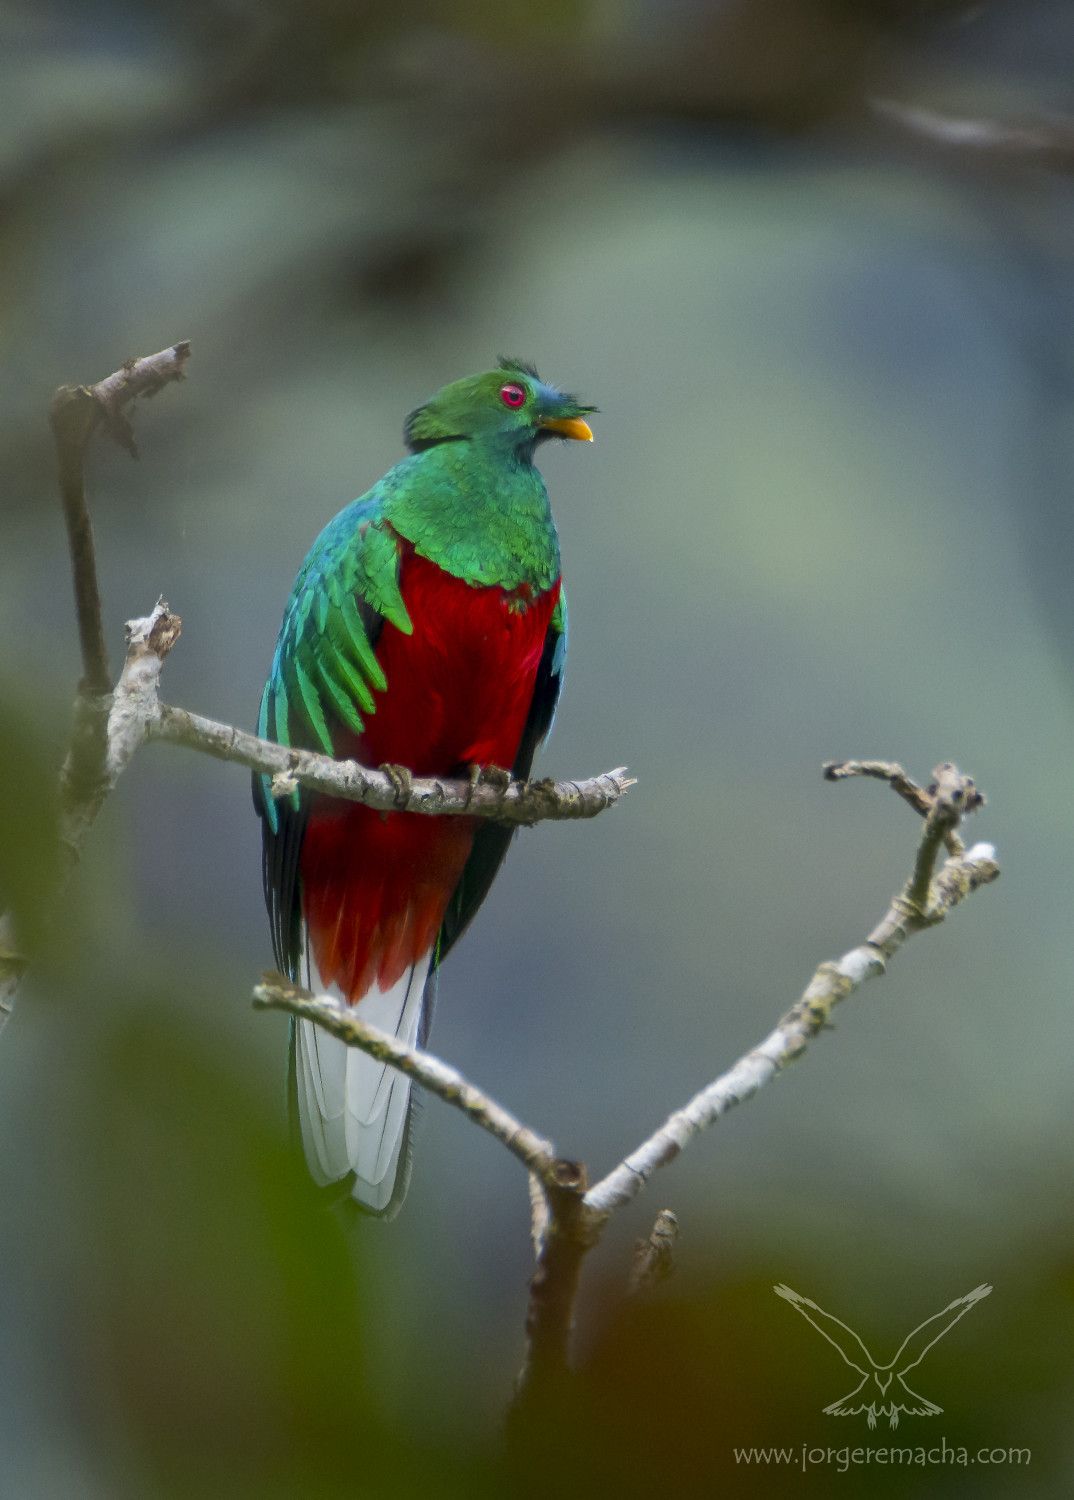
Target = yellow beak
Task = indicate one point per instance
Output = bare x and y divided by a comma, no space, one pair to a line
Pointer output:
569,427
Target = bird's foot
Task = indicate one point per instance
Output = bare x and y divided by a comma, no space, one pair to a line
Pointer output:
401,780
473,776
496,776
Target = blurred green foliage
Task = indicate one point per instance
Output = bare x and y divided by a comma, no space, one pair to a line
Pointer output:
217,1317
28,829
228,1334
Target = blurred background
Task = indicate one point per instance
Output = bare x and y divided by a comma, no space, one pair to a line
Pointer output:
813,260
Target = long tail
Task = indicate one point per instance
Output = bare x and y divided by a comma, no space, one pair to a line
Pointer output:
356,1114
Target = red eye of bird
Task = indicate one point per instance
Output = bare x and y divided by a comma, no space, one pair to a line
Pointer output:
512,395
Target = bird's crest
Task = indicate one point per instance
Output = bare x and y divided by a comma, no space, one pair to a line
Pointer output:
518,366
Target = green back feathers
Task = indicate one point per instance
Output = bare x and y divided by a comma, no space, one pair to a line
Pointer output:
325,671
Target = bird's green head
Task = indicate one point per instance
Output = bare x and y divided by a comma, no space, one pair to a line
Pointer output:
510,406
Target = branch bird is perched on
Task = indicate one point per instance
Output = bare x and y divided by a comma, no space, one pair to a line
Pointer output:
426,629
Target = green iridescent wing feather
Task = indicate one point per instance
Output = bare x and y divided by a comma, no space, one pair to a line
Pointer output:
324,667
324,672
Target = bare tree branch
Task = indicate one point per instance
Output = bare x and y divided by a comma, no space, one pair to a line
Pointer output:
923,902
960,796
88,774
275,992
490,794
86,780
568,1220
90,767
107,730
74,416
569,1233
881,770
539,1212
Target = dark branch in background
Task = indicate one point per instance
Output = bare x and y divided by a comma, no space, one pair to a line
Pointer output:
775,68
76,413
570,1219
1045,141
88,772
73,417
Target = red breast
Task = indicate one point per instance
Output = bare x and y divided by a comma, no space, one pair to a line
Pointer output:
459,691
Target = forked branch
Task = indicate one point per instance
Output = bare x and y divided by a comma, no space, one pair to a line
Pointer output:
569,1220
86,777
75,414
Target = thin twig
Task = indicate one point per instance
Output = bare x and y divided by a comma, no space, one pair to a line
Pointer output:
275,992
947,798
75,414
73,417
142,718
831,984
563,1230
882,770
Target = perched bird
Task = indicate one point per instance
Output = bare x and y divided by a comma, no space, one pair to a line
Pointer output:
427,629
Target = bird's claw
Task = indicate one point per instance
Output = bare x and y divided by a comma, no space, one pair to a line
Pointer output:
496,776
401,780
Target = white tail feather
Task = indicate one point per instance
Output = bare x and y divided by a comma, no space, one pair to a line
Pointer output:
352,1109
